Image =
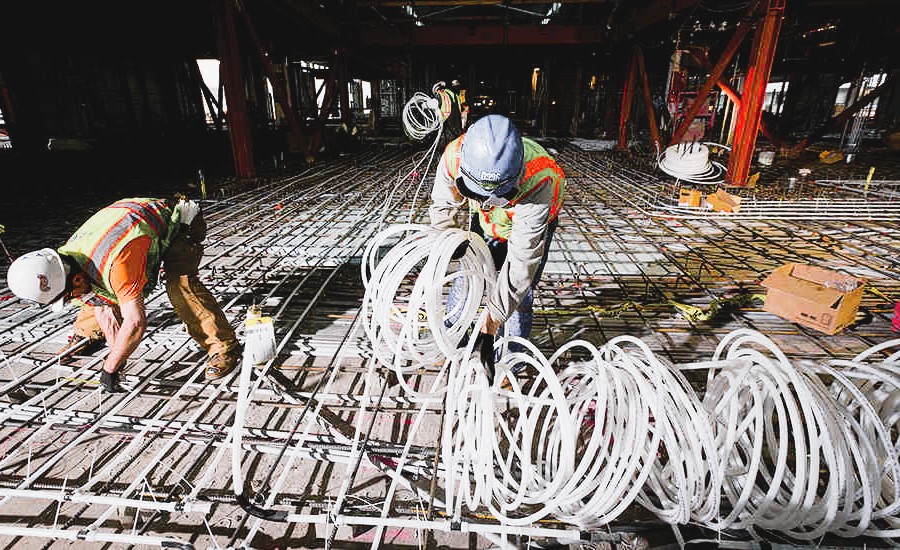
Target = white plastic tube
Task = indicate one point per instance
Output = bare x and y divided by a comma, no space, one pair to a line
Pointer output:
421,116
406,323
795,447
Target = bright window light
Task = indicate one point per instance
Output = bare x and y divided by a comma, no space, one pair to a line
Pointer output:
209,72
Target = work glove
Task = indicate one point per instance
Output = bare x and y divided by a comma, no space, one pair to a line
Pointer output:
110,382
189,211
484,343
460,250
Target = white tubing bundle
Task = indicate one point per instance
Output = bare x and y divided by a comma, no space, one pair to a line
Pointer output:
421,116
780,427
690,162
407,329
794,447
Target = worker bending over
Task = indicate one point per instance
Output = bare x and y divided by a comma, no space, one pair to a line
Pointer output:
110,265
514,191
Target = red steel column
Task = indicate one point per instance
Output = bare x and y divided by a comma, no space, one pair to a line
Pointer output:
762,54
648,101
627,97
740,32
233,80
343,83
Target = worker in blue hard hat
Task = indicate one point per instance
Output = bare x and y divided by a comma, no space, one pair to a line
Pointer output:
514,190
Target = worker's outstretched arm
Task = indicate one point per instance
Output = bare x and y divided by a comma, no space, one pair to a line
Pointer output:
445,199
130,331
526,246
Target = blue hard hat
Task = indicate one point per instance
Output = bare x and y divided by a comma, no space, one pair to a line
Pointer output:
492,156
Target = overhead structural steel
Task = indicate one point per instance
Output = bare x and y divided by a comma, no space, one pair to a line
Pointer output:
484,35
762,55
740,32
429,3
849,112
634,17
627,98
232,76
636,69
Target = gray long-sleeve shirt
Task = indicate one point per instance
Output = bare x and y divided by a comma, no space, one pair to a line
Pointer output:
527,238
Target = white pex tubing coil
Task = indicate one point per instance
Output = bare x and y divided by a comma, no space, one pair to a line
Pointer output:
772,444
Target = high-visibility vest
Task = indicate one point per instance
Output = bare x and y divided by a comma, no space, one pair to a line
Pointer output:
540,170
448,100
95,245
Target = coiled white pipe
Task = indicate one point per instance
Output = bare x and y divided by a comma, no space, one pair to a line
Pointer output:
421,116
690,162
407,328
800,448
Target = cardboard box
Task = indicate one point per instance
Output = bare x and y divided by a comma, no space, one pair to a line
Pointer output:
689,197
723,201
818,298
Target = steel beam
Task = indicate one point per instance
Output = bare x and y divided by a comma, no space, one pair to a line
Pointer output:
233,79
766,130
343,88
483,35
849,112
279,85
631,18
740,32
735,98
437,3
627,99
762,55
648,101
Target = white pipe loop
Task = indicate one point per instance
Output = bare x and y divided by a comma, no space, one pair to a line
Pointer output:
799,448
408,328
421,116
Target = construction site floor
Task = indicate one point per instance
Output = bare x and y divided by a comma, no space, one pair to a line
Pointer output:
625,260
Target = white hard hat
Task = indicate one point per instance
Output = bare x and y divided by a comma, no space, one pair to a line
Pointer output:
39,276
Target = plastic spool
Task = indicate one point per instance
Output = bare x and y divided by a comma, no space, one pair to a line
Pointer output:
690,162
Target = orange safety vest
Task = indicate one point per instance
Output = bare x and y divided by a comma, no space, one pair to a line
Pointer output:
540,170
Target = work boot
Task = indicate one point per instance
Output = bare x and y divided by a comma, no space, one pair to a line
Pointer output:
220,364
109,381
75,344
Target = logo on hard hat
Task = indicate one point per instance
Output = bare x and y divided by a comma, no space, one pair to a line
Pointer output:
44,283
489,176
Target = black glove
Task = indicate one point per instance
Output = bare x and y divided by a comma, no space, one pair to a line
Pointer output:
110,382
460,250
484,343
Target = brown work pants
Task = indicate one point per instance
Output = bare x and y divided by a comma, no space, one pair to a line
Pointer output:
193,302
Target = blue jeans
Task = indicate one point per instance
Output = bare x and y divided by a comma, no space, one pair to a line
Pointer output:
520,322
